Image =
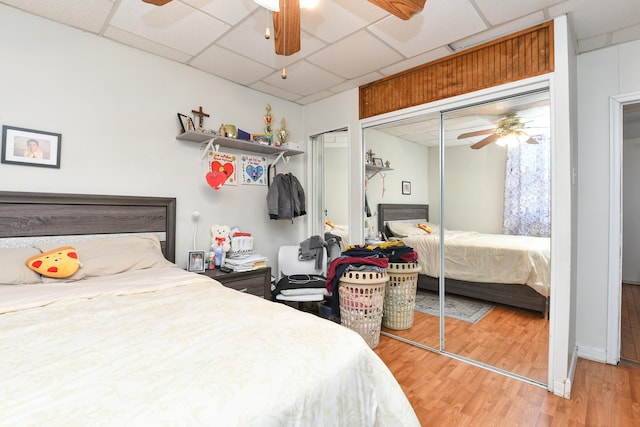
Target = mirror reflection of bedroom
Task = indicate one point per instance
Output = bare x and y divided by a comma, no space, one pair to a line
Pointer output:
492,217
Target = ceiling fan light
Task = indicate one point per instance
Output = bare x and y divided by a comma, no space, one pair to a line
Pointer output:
308,4
273,5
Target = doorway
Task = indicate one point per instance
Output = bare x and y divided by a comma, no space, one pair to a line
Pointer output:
630,296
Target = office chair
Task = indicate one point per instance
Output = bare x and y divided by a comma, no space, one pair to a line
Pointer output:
290,265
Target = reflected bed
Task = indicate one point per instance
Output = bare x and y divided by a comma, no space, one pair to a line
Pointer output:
510,270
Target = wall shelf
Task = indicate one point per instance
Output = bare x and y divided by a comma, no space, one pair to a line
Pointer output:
373,170
237,144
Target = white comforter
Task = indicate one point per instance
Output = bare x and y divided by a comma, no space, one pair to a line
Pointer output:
487,258
176,348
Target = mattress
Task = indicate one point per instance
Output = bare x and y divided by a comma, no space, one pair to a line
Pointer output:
166,347
486,258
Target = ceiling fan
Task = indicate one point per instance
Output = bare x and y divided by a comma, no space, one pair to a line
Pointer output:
511,124
286,18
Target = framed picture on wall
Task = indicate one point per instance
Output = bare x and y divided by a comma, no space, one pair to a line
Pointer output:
30,147
195,262
406,187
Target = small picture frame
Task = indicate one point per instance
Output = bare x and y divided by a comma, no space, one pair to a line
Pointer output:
377,161
195,262
186,123
406,187
30,147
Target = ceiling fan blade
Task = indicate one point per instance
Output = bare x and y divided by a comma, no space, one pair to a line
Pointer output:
486,141
288,19
403,9
157,2
476,133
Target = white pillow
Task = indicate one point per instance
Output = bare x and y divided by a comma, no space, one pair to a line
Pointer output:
101,257
13,267
404,228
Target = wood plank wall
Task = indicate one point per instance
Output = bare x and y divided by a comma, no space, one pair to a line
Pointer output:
525,54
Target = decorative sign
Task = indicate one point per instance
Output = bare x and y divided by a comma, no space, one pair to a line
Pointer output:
254,170
223,169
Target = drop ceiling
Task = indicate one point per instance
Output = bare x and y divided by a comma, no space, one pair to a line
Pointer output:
345,43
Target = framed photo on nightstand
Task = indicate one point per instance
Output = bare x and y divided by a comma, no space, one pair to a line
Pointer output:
195,262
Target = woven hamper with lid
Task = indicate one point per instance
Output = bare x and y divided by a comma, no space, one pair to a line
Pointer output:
361,303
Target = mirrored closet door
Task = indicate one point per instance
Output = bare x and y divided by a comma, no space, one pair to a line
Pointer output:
479,177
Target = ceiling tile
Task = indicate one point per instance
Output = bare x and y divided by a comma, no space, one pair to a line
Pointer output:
89,15
247,39
431,28
304,79
228,11
230,65
333,20
594,17
145,44
626,35
424,58
499,31
175,24
501,11
356,55
271,90
357,82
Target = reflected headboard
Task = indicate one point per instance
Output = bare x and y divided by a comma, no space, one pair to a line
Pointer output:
400,212
32,215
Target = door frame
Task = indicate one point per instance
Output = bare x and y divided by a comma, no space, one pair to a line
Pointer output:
614,291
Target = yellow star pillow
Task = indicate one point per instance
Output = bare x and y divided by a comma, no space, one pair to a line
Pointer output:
58,263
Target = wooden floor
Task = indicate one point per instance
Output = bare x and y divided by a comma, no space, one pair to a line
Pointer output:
511,339
630,322
446,392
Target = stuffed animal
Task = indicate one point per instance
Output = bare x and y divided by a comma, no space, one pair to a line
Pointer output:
220,237
58,263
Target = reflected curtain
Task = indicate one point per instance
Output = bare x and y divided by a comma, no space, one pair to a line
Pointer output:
527,189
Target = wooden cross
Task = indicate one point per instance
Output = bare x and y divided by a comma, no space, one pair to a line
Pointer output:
201,115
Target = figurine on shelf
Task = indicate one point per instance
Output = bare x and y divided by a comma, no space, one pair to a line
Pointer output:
282,133
221,130
387,164
267,120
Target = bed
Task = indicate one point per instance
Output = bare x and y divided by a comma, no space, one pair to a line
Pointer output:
139,341
510,270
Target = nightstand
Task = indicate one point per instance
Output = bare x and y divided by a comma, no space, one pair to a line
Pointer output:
255,282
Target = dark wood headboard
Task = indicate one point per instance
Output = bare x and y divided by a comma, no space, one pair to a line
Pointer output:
52,214
400,212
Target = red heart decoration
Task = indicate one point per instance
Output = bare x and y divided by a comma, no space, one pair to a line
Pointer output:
219,174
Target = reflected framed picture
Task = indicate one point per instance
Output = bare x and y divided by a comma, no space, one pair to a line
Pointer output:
30,147
406,187
377,161
195,262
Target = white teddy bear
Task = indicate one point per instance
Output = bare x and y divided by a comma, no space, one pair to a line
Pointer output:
220,237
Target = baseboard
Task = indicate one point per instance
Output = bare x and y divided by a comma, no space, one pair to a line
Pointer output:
597,354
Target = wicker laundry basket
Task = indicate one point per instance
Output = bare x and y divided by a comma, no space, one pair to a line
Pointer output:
361,302
400,295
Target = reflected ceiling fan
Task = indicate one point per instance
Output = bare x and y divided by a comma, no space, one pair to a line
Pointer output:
286,18
509,125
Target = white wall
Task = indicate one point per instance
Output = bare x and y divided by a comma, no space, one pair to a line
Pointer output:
409,162
601,74
474,188
116,110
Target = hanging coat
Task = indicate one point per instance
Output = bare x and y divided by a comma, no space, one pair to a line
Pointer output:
285,198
